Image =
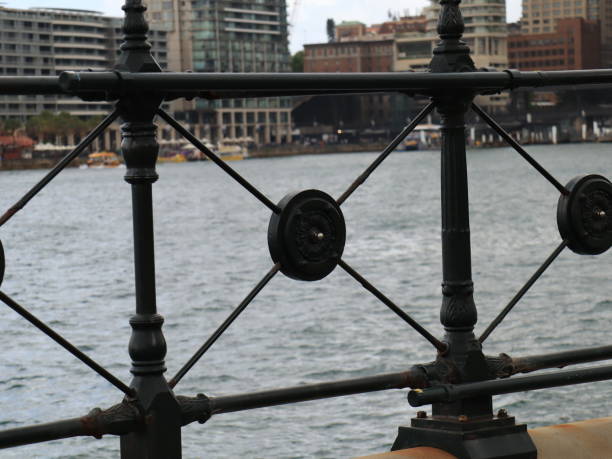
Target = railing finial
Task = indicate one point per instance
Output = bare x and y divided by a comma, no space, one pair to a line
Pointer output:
451,54
135,49
450,20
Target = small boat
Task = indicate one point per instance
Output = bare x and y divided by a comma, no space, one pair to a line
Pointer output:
176,158
411,143
231,152
224,150
103,159
423,137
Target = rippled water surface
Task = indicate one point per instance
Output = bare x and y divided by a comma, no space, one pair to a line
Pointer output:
69,260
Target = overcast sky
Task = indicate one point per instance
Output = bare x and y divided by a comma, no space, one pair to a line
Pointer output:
309,17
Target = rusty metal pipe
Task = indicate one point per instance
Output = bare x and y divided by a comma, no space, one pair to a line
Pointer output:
119,419
503,365
450,392
41,433
561,359
414,378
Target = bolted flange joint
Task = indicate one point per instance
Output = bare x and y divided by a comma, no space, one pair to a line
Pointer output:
584,215
307,237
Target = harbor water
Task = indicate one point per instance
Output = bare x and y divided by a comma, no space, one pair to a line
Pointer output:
69,260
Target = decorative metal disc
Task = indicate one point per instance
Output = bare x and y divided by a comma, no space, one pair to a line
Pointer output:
584,216
1,263
307,237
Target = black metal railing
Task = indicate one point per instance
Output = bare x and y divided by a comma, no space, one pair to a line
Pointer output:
306,237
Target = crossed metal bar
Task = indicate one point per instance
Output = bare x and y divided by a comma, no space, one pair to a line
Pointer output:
89,139
440,346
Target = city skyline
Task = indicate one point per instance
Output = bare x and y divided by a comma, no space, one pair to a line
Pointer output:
310,21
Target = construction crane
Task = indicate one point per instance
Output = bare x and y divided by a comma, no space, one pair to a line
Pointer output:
294,13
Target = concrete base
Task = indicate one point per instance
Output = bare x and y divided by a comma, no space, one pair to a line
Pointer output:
591,439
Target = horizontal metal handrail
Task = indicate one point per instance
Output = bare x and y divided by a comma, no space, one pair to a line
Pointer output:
504,365
125,417
30,85
413,378
109,85
119,419
216,83
447,393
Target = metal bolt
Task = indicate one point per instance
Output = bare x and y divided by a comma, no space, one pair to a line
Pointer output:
502,413
463,418
421,414
317,235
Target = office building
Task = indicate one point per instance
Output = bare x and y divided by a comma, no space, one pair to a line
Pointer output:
229,36
574,45
485,33
541,16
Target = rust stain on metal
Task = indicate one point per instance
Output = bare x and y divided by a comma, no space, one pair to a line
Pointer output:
422,452
590,439
91,425
414,378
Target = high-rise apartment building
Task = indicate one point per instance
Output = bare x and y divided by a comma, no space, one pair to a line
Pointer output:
229,36
485,33
45,42
540,16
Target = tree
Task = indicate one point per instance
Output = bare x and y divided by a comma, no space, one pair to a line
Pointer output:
297,62
41,126
52,127
10,125
331,30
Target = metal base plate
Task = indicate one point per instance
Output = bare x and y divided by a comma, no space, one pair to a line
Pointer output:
488,439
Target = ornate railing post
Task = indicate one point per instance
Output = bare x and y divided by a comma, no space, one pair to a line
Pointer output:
467,428
458,313
161,439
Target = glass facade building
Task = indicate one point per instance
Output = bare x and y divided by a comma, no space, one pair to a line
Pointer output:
229,36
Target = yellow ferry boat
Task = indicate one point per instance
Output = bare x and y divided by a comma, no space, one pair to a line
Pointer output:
103,159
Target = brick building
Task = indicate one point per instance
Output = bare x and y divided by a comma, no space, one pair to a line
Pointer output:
404,25
348,30
541,16
574,45
364,55
355,49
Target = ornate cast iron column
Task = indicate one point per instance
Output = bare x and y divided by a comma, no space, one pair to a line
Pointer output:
458,313
466,428
161,439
